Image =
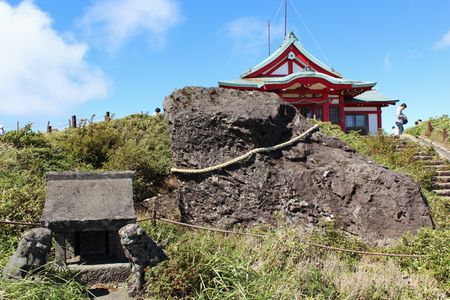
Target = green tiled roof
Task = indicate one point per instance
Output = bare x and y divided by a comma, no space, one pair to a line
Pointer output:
291,38
261,81
372,96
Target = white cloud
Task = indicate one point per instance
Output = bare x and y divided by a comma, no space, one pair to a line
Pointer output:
40,71
443,42
249,34
110,23
387,62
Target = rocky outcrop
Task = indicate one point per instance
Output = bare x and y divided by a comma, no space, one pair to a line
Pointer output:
317,178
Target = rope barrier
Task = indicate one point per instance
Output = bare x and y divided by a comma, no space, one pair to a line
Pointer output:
246,155
306,242
154,218
19,223
212,229
365,252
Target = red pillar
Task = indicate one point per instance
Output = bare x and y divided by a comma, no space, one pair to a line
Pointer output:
326,108
341,112
379,117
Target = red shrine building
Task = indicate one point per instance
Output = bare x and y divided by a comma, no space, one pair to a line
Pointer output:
317,90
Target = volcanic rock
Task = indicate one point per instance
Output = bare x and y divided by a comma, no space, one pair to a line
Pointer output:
318,178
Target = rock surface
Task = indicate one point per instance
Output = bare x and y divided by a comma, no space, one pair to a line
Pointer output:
318,178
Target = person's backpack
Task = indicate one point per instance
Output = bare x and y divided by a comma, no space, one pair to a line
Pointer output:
405,120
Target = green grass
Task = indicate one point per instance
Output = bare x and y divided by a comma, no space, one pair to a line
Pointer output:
439,123
382,149
48,285
204,265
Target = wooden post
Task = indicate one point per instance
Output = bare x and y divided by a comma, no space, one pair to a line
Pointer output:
74,121
444,135
107,117
154,217
17,126
430,127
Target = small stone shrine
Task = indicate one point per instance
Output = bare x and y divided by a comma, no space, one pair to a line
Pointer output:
85,211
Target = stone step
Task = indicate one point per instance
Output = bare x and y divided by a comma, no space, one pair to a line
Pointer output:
435,162
442,178
442,185
440,173
437,167
423,157
422,153
442,192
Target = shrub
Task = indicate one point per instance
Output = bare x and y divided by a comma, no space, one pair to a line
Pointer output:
24,137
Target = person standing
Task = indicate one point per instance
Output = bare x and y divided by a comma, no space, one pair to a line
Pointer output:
400,118
2,130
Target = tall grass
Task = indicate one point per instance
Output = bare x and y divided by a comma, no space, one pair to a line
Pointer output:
49,285
213,266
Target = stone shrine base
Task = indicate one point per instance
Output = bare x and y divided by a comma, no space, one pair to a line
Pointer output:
101,273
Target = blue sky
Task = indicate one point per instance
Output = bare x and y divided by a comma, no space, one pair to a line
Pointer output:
85,57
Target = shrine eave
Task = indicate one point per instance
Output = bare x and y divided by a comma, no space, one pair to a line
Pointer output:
282,82
290,39
372,96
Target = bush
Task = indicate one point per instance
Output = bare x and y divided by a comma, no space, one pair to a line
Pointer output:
24,137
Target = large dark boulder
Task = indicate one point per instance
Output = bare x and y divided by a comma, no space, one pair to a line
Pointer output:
317,178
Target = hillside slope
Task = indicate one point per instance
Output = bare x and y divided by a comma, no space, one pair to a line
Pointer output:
213,266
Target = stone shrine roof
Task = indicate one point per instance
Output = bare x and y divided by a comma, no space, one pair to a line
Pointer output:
89,201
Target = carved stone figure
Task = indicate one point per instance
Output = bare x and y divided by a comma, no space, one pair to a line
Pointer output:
31,253
142,252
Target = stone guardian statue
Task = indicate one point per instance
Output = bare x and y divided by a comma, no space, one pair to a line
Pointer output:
142,252
31,253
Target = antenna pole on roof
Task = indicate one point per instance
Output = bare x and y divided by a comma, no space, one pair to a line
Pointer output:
268,34
285,16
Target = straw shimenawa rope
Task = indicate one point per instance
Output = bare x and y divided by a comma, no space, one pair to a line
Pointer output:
246,155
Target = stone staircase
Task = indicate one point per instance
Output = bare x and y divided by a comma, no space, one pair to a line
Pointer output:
441,167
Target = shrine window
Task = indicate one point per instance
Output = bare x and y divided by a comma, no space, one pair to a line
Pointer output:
356,123
319,113
307,112
334,115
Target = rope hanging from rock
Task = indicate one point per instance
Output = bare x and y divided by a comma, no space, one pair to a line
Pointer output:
246,155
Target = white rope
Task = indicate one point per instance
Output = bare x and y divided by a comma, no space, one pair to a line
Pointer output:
246,155
258,49
309,32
